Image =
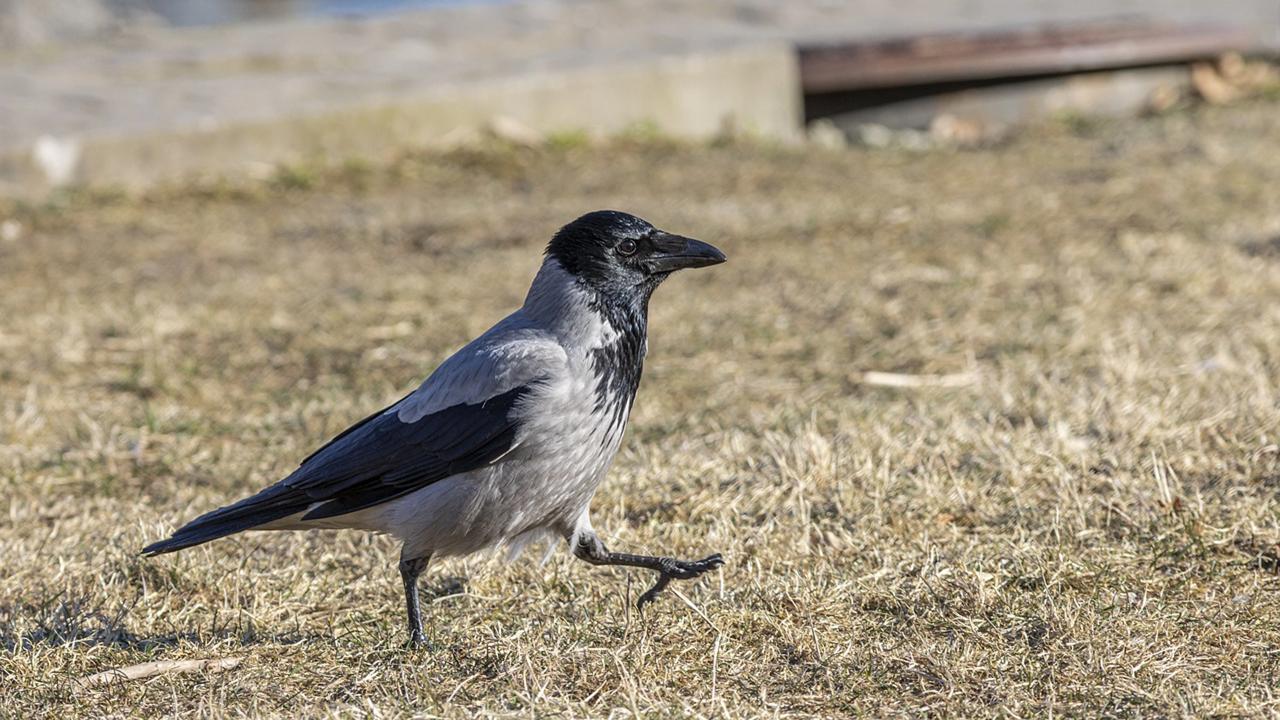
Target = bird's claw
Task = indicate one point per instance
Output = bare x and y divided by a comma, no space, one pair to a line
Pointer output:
419,641
678,570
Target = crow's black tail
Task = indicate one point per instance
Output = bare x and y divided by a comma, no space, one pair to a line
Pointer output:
274,503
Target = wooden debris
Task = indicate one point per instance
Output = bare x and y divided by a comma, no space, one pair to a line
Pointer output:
1164,98
902,380
513,131
1231,77
962,131
1211,85
146,670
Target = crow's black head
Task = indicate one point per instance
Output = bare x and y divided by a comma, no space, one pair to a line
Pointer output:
616,253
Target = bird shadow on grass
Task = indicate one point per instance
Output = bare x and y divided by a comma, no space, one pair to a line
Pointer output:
61,621
443,588
70,623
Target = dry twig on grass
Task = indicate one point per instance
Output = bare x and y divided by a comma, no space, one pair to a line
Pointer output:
903,380
142,671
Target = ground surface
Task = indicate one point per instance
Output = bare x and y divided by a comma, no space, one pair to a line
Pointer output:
1087,522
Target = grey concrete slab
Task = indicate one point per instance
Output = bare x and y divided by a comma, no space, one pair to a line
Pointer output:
692,94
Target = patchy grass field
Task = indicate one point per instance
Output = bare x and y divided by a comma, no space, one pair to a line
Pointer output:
1085,521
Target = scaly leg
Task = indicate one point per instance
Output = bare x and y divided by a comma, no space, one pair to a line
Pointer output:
591,549
409,571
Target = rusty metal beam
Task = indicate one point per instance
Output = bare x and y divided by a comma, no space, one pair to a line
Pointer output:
1048,50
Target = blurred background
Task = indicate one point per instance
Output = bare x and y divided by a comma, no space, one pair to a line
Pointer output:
128,92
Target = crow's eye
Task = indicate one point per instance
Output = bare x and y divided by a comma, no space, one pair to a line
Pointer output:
627,247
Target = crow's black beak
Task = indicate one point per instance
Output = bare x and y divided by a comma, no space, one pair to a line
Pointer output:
673,252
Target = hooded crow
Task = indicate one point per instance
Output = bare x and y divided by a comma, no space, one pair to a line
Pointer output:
508,439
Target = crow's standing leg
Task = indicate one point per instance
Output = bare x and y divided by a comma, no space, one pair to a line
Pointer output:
410,569
591,549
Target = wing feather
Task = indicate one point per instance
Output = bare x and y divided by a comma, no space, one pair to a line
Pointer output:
386,457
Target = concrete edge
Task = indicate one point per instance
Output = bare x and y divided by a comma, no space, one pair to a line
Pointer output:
751,88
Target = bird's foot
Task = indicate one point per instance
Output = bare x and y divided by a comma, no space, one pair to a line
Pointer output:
419,641
673,569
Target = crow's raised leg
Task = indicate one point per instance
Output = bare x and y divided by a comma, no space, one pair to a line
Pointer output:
591,549
410,569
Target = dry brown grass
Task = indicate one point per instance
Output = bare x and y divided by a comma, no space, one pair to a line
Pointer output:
1090,527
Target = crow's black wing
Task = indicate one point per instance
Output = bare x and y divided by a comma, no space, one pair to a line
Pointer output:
384,457
378,459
